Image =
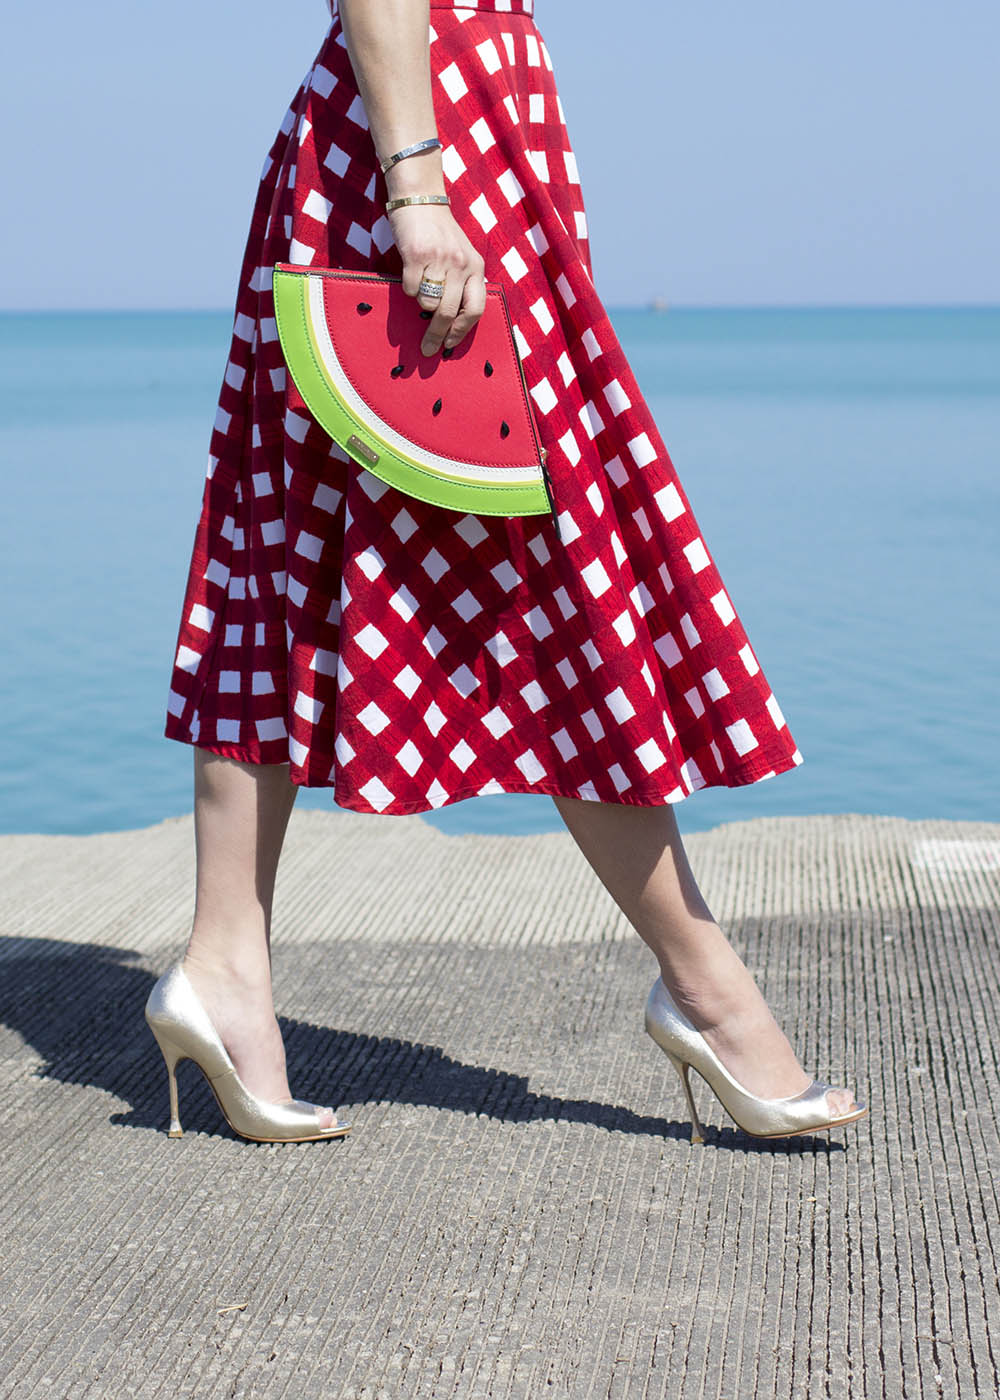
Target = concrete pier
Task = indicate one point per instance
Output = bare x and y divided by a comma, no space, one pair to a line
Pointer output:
519,1211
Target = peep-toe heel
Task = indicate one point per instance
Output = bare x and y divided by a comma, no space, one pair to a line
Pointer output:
183,1031
687,1049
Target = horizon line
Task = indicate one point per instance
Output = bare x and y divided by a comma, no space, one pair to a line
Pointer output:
651,305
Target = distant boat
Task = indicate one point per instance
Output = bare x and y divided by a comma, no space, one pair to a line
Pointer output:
657,304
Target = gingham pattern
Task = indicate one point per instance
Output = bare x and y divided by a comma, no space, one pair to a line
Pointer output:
408,656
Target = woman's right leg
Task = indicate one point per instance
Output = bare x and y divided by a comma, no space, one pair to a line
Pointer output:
639,857
241,813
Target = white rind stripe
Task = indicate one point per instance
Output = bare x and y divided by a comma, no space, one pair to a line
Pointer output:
433,461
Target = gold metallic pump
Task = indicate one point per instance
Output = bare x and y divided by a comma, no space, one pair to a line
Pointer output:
183,1031
687,1049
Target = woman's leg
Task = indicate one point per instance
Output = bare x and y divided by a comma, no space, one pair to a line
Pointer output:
638,855
241,812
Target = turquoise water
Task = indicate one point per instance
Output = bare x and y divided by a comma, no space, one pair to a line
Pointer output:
843,466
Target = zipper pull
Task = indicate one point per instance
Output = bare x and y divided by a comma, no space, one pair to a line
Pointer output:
549,493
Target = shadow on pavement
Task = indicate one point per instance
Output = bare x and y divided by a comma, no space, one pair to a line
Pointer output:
81,1008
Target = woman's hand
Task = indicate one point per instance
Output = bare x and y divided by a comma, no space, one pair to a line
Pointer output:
432,245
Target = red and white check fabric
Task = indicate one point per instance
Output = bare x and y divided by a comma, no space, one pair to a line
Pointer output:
408,656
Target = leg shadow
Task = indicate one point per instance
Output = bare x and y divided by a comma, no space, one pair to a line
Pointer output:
81,1008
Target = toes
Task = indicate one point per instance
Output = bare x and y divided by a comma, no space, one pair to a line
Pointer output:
327,1117
841,1101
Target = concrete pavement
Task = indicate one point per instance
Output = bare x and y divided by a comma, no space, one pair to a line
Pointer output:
519,1211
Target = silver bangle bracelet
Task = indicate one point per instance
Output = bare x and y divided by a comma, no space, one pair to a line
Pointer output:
406,199
430,144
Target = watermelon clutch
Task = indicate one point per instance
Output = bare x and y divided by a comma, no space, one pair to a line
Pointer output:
455,429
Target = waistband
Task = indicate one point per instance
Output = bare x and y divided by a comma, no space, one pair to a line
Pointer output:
498,7
502,7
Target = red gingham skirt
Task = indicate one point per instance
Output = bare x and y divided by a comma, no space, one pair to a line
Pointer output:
408,656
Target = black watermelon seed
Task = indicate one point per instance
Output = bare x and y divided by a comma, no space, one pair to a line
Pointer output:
504,429
487,369
447,352
426,315
437,407
396,371
363,308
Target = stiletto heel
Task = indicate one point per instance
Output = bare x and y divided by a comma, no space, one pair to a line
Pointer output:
183,1031
172,1056
682,1068
687,1049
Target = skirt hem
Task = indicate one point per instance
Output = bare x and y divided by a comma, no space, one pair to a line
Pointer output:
745,776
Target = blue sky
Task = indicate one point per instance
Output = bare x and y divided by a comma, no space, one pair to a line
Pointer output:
730,154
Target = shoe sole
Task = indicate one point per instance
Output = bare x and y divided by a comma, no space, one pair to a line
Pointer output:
802,1132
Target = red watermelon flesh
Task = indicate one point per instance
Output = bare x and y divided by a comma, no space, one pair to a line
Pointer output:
468,403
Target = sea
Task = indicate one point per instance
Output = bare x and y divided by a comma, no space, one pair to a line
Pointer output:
844,467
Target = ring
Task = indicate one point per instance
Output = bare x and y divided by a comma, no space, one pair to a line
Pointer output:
430,287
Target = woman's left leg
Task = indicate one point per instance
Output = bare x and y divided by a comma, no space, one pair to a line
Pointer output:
639,857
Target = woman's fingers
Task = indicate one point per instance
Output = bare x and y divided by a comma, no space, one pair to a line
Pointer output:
445,309
433,248
430,301
456,311
472,307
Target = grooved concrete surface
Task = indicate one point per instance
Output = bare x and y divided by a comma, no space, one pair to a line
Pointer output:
519,1211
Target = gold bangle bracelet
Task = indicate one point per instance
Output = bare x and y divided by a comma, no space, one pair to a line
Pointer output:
416,199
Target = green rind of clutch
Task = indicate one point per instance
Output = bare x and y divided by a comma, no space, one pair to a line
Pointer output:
335,418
